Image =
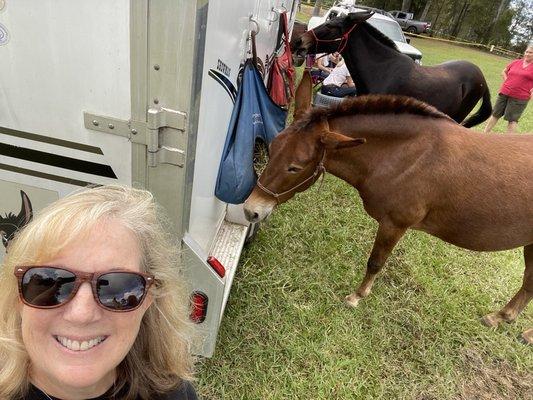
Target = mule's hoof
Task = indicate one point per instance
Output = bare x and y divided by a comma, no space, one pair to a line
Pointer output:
352,300
492,320
527,336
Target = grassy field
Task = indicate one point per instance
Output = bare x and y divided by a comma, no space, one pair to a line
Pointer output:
287,335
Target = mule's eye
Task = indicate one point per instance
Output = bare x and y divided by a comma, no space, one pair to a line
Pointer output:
294,168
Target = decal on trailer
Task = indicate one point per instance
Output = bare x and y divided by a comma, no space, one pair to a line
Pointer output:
225,83
11,223
51,159
4,35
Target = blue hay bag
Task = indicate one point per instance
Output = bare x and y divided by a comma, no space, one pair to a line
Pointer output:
255,116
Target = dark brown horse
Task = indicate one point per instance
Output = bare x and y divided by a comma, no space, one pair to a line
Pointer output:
376,66
414,168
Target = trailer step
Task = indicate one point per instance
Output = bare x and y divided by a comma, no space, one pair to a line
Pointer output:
227,249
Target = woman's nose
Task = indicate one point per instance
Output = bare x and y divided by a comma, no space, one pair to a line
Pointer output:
82,308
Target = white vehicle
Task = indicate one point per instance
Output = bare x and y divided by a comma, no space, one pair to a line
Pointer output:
381,20
135,92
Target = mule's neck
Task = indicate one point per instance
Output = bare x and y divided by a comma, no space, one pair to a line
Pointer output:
387,137
373,65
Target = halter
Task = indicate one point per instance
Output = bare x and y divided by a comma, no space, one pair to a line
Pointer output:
343,39
320,169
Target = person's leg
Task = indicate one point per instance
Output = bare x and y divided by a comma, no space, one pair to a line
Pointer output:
332,90
511,127
328,90
345,91
497,112
513,112
490,124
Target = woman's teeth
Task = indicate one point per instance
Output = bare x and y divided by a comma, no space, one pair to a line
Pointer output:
74,345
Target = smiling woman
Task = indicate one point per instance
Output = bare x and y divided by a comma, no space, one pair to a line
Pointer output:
89,289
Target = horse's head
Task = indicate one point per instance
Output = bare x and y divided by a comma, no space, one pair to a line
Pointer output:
297,157
329,37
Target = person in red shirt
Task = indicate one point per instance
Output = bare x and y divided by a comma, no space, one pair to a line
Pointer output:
515,92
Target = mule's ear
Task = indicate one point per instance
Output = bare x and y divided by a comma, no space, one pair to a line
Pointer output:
333,141
303,95
360,16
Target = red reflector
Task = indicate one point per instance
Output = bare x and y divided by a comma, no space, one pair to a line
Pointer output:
217,266
198,307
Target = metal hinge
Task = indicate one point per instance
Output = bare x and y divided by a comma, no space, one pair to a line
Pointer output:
160,122
159,118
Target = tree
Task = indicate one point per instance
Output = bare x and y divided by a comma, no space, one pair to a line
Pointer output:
406,5
460,18
426,10
316,10
504,4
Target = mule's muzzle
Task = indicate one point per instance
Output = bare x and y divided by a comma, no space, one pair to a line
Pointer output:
251,215
298,60
300,48
258,206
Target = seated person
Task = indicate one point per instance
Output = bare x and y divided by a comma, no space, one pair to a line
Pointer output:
93,305
339,83
326,63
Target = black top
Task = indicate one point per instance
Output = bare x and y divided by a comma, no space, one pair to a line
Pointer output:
184,392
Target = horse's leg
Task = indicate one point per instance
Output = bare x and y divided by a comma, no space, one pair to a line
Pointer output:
386,238
520,299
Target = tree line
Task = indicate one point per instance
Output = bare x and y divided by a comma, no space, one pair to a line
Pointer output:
503,23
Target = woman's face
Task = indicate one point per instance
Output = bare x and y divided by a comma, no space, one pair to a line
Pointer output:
528,54
67,373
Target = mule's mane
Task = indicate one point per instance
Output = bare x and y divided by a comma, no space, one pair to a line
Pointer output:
381,37
379,104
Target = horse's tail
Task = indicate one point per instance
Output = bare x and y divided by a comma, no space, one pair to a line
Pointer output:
483,113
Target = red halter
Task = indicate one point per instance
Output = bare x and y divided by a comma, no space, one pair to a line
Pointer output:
343,39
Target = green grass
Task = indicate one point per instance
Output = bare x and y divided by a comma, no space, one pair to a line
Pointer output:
287,335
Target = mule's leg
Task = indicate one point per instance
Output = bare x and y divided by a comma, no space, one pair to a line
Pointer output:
387,237
520,299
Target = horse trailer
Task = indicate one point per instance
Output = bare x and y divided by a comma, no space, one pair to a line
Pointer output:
135,92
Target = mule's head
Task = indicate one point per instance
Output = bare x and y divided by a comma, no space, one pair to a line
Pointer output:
328,37
296,161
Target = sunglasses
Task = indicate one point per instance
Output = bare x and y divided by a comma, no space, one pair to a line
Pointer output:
52,287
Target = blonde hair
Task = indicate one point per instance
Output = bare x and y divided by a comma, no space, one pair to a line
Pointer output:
160,357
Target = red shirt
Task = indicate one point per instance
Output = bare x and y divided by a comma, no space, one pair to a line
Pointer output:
519,80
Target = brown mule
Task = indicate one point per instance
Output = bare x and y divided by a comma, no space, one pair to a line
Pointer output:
414,168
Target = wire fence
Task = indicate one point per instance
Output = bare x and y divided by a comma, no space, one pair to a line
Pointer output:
480,46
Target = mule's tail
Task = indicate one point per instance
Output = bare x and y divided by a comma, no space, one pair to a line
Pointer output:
483,113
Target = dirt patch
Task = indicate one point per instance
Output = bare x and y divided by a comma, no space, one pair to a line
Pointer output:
495,379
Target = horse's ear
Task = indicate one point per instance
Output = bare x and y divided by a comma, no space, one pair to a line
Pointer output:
360,16
303,95
333,141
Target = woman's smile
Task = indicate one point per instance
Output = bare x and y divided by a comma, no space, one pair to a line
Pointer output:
79,345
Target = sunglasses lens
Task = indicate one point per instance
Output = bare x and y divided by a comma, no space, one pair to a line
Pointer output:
45,287
121,290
